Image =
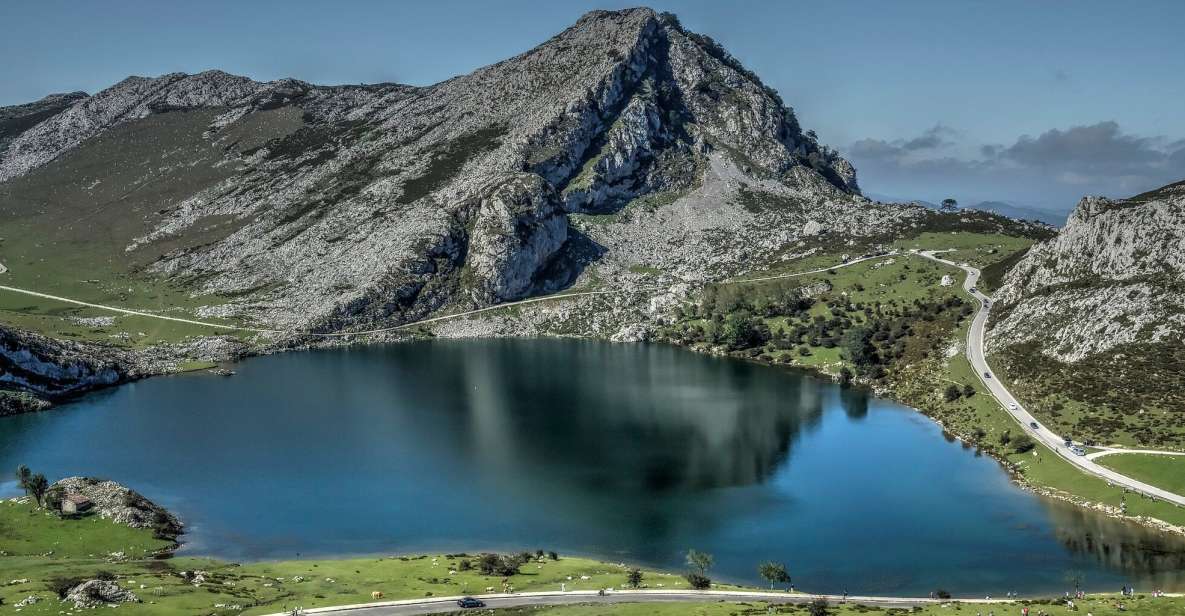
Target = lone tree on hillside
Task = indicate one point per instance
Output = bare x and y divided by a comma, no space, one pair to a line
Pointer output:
634,578
23,475
700,560
952,393
38,485
774,573
949,205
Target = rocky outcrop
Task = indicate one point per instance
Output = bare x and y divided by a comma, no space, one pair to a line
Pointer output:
519,226
120,504
17,402
96,593
1114,275
49,367
17,119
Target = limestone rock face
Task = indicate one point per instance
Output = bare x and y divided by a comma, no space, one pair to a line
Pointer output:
1115,274
44,366
519,225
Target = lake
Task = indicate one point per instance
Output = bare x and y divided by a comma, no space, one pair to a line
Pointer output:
630,453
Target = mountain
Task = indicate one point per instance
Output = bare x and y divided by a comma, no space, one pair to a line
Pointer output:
623,153
332,207
1090,322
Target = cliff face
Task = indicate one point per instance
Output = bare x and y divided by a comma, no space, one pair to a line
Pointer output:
48,367
623,142
1114,275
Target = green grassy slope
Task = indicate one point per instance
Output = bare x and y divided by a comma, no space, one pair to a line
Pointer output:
68,224
1167,472
41,547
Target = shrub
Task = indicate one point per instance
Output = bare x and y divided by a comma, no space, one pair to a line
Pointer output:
952,393
698,581
62,585
495,564
552,555
1022,444
634,578
942,594
818,607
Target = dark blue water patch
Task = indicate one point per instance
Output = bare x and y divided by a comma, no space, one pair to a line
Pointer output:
630,453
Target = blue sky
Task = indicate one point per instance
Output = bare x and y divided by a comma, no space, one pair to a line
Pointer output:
929,99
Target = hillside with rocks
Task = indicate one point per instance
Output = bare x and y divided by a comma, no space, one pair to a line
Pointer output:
624,153
1089,324
336,207
1114,275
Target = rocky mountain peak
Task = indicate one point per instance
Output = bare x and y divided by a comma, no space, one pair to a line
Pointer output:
340,206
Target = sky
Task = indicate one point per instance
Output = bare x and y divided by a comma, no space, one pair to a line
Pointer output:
1035,103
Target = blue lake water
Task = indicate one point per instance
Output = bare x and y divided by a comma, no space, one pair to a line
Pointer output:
630,453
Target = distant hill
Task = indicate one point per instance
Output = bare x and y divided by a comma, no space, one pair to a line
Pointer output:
1054,218
1004,208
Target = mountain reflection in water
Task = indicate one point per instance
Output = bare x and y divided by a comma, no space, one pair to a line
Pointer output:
625,452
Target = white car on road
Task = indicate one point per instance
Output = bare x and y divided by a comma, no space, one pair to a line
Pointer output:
1012,406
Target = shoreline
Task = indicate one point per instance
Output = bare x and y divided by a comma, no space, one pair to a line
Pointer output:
248,351
1017,478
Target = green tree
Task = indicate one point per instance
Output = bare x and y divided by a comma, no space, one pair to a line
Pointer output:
968,390
774,573
54,498
742,331
949,205
38,485
857,345
697,581
634,577
952,393
23,475
700,560
845,376
1022,444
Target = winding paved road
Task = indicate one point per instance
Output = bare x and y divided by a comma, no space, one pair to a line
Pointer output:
975,354
449,604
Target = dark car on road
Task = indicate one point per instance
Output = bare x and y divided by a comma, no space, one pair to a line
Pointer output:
1033,425
470,602
987,375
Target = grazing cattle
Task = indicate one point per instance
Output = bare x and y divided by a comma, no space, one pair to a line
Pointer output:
376,595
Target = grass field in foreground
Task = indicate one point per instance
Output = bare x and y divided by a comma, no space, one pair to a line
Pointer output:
41,547
1167,472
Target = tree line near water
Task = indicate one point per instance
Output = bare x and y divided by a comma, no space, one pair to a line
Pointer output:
871,335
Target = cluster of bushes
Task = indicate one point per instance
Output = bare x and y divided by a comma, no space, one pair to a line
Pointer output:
504,565
871,335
